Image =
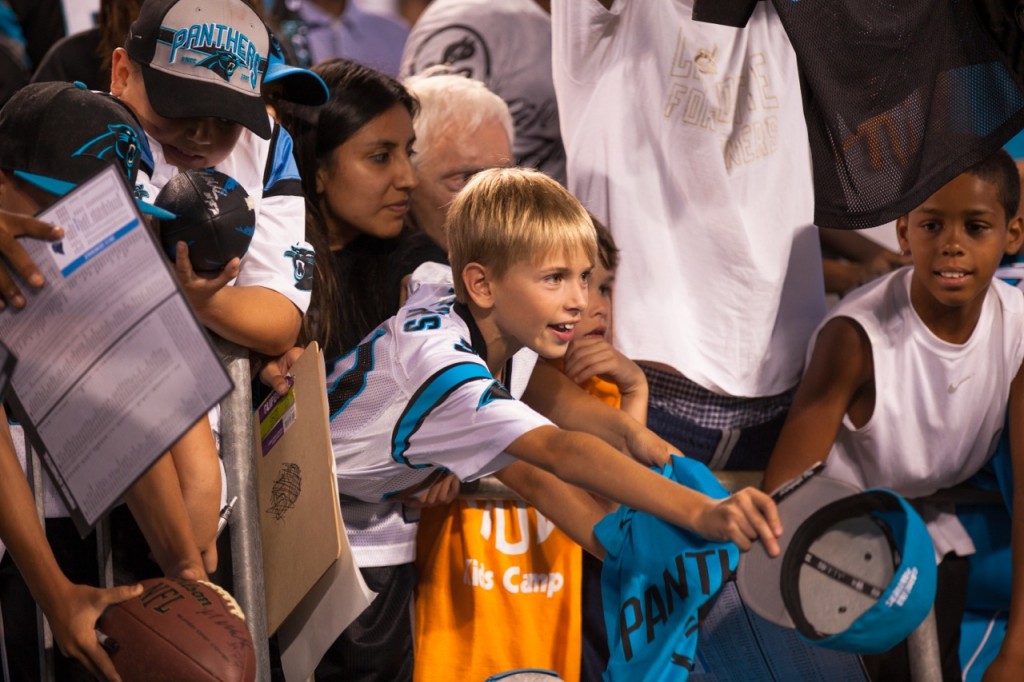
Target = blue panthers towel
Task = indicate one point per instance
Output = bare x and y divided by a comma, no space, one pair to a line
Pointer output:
655,578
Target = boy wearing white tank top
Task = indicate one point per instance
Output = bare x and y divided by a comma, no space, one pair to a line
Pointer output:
909,380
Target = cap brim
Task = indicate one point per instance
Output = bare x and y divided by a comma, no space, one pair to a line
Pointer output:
52,185
177,97
759,576
297,85
60,188
155,211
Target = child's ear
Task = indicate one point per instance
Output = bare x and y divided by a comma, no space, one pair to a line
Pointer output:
120,71
902,225
1014,235
477,280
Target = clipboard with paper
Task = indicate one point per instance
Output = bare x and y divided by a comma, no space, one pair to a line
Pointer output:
113,367
302,531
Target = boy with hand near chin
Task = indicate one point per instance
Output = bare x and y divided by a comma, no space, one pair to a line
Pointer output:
591,360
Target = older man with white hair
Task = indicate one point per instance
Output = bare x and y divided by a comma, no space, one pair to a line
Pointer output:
462,128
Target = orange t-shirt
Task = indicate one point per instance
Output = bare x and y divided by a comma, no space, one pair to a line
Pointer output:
499,588
606,391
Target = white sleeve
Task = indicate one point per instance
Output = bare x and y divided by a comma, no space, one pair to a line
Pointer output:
465,429
279,257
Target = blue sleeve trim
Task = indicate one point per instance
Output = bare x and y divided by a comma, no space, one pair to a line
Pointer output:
430,394
282,173
349,385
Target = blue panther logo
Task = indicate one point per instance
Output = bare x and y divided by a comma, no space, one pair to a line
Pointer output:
120,143
222,63
302,264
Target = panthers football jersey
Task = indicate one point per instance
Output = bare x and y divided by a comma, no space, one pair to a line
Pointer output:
416,396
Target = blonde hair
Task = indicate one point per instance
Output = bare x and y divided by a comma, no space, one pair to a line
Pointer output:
506,216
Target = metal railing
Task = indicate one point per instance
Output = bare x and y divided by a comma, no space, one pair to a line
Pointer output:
238,453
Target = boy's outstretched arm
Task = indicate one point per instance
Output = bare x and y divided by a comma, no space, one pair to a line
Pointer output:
72,610
558,398
840,371
1010,659
573,510
588,462
255,317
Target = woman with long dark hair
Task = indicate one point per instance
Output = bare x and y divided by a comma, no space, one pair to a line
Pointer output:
354,159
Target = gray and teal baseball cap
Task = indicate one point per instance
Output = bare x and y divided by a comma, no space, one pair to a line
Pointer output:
203,59
857,571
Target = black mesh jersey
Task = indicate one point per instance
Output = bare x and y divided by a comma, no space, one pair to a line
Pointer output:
900,96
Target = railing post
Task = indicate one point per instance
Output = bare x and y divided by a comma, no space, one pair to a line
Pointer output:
923,651
236,442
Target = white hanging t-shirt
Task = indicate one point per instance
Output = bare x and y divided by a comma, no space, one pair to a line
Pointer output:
689,140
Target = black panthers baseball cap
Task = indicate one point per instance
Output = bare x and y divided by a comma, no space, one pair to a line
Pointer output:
58,135
202,59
